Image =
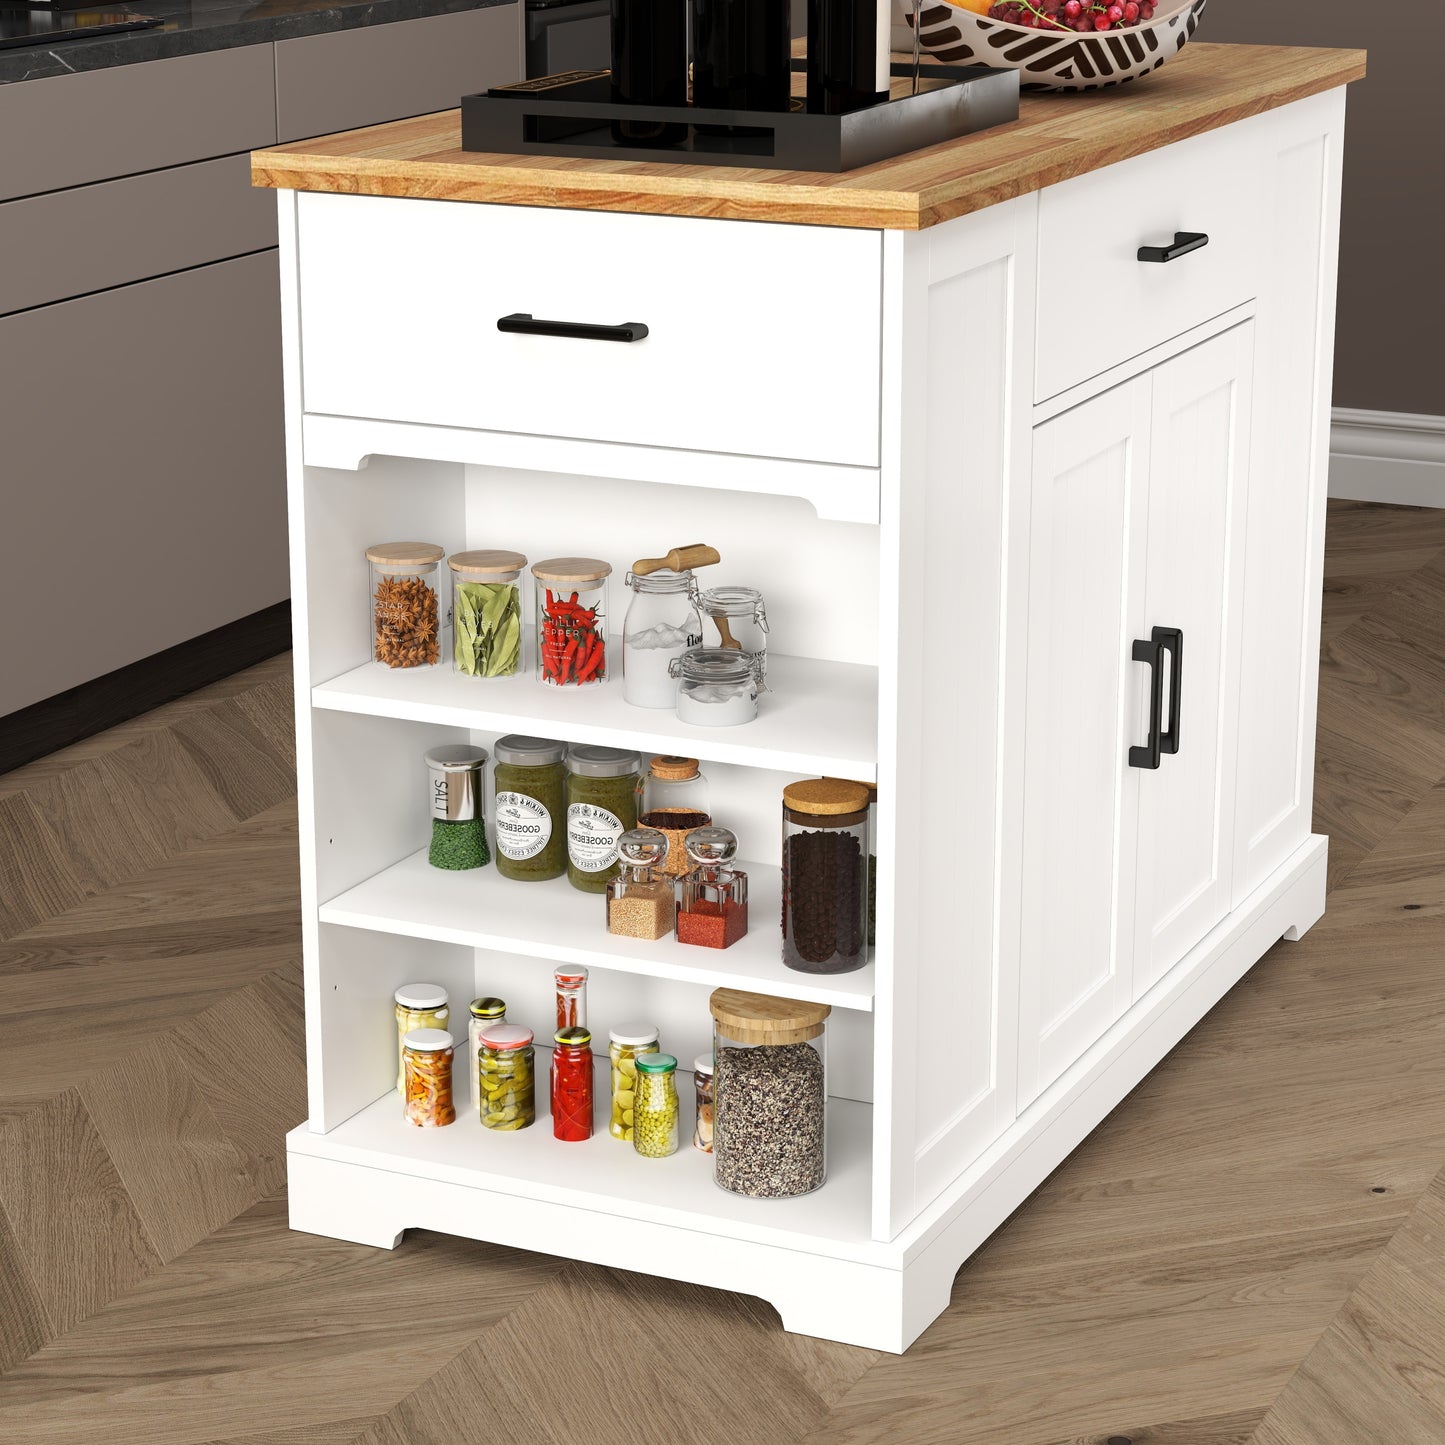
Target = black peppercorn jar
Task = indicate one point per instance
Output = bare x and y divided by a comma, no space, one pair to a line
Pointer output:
825,876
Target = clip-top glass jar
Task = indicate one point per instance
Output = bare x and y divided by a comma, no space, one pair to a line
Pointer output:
736,618
530,776
572,1085
484,1013
458,830
509,1090
713,911
572,620
487,612
661,623
770,1094
601,807
718,687
825,876
674,801
625,1043
417,1006
407,609
426,1056
655,1133
639,900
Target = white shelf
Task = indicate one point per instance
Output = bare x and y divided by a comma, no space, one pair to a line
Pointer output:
818,717
608,1176
555,921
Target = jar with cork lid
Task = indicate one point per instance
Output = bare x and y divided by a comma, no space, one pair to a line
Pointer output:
406,603
487,612
769,1095
674,801
572,620
825,876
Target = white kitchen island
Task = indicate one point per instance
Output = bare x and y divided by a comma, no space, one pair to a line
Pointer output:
1040,526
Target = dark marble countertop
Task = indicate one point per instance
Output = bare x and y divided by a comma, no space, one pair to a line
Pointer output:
192,26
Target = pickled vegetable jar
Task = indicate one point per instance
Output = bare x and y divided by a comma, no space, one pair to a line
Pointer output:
626,1042
570,982
427,1056
702,1084
572,620
770,1094
572,1085
531,807
655,1135
505,1064
825,876
484,1012
487,612
417,1006
408,613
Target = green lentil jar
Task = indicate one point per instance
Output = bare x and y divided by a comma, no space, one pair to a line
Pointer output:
601,807
530,779
655,1133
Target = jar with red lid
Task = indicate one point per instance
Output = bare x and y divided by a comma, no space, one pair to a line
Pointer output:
572,1085
504,1064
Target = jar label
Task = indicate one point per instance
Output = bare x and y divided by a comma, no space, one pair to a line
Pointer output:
524,826
592,835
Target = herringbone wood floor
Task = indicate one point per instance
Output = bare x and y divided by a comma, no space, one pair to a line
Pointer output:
1251,1248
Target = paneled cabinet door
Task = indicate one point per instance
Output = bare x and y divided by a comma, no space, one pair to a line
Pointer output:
1085,706
1199,456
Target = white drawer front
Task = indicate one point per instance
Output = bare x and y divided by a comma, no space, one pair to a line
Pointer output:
1098,304
762,339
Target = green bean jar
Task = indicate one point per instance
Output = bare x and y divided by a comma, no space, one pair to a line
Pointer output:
601,807
530,778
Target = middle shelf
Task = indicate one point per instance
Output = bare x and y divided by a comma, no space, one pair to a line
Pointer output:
552,920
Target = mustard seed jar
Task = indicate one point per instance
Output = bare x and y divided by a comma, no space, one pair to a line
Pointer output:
770,1094
572,620
487,612
505,1062
417,1006
408,611
625,1043
825,876
655,1134
426,1056
484,1012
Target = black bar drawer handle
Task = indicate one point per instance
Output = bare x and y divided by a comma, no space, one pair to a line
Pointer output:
1184,243
1161,739
1171,640
528,325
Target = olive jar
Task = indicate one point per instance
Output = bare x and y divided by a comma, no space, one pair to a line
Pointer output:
625,1043
770,1094
601,807
408,612
825,876
572,620
487,612
530,778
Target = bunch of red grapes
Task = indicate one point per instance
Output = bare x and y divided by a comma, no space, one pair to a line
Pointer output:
1084,16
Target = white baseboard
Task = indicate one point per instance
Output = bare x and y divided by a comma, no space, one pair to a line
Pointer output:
1387,456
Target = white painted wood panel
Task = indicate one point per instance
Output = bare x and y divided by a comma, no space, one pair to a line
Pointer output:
1087,703
763,339
1198,477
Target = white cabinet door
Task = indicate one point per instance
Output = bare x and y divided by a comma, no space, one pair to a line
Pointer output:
1199,454
1085,707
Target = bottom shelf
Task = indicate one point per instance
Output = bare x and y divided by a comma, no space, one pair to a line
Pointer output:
610,1177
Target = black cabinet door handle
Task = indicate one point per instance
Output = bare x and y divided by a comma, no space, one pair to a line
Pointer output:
1171,640
528,325
1184,243
1161,739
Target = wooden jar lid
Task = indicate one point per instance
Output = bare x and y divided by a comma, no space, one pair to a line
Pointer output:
487,562
405,554
826,797
673,769
759,1018
571,569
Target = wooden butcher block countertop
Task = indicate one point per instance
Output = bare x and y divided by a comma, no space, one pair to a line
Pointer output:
1055,137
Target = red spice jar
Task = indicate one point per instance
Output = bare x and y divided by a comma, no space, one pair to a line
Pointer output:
714,908
572,620
572,1085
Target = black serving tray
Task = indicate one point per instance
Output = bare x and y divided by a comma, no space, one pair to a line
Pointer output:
573,115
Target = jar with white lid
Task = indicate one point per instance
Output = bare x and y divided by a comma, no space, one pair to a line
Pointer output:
487,612
702,1081
427,1056
572,620
736,618
417,1006
625,1043
717,687
661,624
407,608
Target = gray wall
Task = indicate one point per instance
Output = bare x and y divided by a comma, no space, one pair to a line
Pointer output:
1390,339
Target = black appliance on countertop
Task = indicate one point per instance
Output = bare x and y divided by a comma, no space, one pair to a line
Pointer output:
567,35
45,24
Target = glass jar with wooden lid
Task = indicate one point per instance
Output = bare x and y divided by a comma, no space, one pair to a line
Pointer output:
572,620
487,612
770,1094
825,876
407,608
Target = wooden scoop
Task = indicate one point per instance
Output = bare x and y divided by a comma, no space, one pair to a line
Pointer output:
680,559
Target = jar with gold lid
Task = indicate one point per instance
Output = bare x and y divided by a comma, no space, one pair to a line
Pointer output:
825,876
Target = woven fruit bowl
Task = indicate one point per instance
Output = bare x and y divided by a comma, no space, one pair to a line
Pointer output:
1050,59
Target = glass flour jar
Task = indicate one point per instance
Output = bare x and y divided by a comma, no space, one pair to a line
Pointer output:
661,624
718,687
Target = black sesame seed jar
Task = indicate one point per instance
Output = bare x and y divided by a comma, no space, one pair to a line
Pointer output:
825,876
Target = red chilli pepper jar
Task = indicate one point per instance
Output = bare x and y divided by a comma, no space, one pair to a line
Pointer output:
572,620
572,1085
